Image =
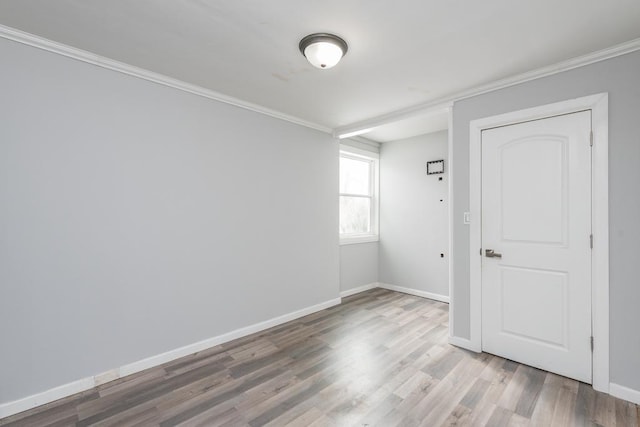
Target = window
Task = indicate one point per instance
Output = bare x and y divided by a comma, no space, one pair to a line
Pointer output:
358,196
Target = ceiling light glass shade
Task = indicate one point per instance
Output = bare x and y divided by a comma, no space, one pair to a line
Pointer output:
323,50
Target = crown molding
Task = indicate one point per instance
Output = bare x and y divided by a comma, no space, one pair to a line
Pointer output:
110,64
365,141
361,144
435,106
445,102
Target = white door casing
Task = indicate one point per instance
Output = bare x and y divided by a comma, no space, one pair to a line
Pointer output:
536,215
598,105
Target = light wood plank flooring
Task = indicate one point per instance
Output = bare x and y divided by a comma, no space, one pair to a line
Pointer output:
380,358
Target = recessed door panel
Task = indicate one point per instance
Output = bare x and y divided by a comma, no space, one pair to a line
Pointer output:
533,179
524,292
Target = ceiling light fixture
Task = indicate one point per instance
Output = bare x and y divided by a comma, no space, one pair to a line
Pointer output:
323,50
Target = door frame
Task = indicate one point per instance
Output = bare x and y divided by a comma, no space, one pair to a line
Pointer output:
599,106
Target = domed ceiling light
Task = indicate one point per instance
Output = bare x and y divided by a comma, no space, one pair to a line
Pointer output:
323,50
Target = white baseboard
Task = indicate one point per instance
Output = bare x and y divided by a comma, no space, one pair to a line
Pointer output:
159,359
24,404
624,393
416,292
464,343
357,290
10,408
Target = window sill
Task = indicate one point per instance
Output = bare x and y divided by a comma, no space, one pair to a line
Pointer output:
359,239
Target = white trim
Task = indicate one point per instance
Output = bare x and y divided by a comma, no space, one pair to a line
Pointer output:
463,342
416,292
359,128
110,64
409,291
362,140
625,393
356,240
475,237
10,408
357,290
434,106
106,377
450,231
374,180
600,252
598,104
352,134
220,339
441,103
362,144
26,403
350,149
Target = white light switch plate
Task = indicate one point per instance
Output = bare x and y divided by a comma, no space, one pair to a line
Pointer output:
467,217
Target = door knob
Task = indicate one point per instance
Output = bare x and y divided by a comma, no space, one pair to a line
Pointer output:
490,253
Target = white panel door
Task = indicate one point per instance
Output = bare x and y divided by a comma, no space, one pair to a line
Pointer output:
536,215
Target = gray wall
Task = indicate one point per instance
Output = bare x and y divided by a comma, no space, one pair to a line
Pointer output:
620,77
413,220
137,218
358,265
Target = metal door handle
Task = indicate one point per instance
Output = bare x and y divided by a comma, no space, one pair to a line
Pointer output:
489,253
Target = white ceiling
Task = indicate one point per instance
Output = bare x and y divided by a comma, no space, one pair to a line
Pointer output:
401,53
418,124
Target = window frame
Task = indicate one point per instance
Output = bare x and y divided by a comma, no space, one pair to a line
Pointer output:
374,192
